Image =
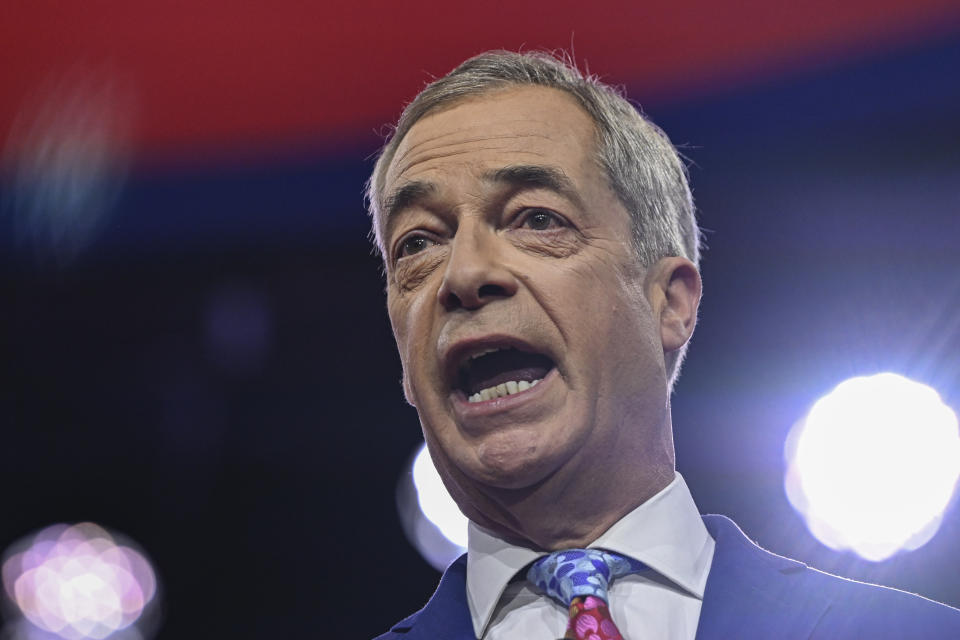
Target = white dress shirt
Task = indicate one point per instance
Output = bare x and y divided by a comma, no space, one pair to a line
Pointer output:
665,533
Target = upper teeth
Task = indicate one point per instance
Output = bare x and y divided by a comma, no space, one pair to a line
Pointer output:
484,352
504,389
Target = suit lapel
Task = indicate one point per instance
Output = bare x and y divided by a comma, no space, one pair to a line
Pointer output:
446,615
752,592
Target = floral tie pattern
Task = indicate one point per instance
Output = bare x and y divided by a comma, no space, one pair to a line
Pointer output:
579,579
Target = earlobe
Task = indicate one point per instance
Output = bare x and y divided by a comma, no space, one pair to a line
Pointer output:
681,287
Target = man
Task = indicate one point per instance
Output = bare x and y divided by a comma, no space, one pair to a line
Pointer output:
541,253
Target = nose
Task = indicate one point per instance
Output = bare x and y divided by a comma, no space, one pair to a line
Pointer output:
475,274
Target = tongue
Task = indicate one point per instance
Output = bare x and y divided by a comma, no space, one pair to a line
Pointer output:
502,366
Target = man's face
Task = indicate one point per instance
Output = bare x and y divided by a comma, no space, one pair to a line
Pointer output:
509,263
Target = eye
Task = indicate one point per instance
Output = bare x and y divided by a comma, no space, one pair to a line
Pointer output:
542,220
413,244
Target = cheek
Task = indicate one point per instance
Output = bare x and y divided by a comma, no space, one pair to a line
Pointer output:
403,331
411,330
597,298
398,323
611,324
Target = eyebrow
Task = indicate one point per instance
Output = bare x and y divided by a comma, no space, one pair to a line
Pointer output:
518,176
406,196
537,177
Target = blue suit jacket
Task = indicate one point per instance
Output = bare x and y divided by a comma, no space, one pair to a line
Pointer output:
750,593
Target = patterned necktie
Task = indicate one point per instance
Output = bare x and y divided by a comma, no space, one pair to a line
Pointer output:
578,579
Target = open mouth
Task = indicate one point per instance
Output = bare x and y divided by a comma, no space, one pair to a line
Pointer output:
499,372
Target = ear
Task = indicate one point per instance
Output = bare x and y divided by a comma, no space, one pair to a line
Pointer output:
673,290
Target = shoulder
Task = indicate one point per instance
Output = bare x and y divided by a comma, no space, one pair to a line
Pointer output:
400,629
446,615
772,590
859,609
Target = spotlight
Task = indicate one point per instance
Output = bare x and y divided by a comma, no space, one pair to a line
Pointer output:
873,465
431,519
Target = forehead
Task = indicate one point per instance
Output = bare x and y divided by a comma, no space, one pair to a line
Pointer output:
516,125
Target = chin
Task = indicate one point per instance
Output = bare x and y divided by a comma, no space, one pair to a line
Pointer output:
511,461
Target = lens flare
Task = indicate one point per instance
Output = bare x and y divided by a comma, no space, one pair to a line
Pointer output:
873,465
77,582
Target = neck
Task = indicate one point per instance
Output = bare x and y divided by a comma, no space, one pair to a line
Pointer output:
582,498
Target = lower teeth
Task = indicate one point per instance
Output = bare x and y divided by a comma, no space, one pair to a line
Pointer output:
502,390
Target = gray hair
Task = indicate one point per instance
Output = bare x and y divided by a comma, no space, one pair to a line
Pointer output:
643,167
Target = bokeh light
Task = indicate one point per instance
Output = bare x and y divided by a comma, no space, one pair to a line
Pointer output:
873,465
76,582
239,328
431,519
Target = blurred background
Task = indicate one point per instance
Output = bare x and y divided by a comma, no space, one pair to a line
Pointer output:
195,344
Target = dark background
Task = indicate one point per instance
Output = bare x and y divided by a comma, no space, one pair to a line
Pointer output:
212,373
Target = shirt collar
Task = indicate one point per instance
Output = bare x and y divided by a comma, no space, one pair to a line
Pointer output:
665,532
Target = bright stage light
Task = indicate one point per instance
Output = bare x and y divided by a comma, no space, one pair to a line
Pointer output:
76,582
431,519
873,465
435,502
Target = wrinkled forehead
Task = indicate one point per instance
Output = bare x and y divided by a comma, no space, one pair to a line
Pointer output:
431,146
